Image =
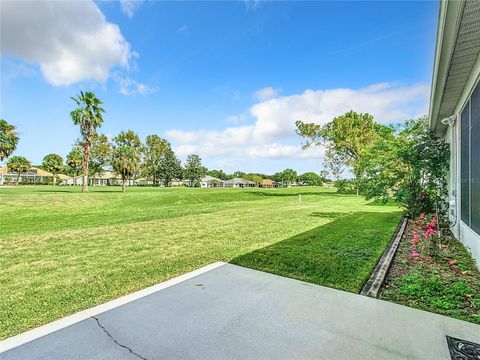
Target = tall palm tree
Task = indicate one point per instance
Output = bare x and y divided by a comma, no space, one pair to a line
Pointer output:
89,115
8,139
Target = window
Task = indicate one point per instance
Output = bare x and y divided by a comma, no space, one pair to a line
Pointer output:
465,164
470,161
475,160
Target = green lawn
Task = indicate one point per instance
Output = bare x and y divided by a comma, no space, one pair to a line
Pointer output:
63,251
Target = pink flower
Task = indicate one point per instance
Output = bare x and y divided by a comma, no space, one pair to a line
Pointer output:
414,254
422,216
416,237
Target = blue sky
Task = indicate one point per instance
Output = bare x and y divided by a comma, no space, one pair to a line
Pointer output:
226,80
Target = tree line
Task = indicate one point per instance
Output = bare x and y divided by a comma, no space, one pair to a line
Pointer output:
126,155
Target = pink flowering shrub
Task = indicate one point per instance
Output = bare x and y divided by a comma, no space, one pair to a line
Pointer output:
424,236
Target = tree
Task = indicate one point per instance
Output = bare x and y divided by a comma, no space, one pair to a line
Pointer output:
89,116
169,166
18,164
53,163
311,179
219,174
100,155
410,166
345,138
256,178
75,161
126,155
8,139
153,150
287,176
125,162
193,169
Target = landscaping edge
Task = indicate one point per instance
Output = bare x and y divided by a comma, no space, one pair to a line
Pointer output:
374,283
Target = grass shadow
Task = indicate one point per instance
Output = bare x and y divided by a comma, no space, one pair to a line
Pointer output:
273,193
340,254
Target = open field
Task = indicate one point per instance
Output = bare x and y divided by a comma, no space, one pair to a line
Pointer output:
63,251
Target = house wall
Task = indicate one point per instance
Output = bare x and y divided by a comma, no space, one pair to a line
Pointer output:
462,231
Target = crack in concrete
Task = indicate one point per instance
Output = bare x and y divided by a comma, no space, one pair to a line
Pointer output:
115,340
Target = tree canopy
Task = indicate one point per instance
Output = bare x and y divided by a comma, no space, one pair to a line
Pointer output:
126,155
53,163
345,139
311,179
169,166
18,164
193,169
100,155
153,150
8,139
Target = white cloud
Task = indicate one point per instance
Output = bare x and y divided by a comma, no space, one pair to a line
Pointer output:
265,93
128,86
70,40
129,7
272,133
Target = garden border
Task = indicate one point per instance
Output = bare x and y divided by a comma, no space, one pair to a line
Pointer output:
373,284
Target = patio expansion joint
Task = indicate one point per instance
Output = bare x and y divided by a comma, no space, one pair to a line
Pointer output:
104,329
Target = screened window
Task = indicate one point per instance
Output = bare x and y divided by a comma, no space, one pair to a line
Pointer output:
470,162
475,160
465,164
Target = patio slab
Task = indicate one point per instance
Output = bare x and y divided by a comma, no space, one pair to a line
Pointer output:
232,312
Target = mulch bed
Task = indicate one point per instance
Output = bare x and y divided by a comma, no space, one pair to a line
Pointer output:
447,283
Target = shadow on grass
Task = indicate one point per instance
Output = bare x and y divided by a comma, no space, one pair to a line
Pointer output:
274,193
340,254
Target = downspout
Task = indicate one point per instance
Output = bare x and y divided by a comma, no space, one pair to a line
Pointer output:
451,122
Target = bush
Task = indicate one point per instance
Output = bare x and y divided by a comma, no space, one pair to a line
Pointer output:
345,186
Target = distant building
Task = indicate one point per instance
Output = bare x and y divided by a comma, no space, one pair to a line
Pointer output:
269,183
239,183
211,182
32,176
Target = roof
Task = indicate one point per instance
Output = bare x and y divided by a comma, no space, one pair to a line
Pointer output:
208,178
40,172
268,182
239,181
3,170
64,177
456,55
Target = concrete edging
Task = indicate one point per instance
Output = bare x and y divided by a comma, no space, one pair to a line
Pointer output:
30,335
372,286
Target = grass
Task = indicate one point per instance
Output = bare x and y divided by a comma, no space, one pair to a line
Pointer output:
64,251
446,284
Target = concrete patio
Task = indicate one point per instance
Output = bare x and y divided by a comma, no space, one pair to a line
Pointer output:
230,312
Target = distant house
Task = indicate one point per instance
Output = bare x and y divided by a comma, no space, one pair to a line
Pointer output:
211,182
63,178
238,183
107,178
32,176
269,183
177,182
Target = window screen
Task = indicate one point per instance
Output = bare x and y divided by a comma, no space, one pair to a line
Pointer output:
475,160
465,164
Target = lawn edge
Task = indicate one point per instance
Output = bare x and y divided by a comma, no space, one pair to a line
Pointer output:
30,335
374,283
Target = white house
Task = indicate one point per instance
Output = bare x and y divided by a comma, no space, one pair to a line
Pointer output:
209,181
238,183
455,113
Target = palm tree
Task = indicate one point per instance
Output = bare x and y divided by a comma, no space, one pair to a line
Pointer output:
54,164
89,116
75,161
18,164
8,139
